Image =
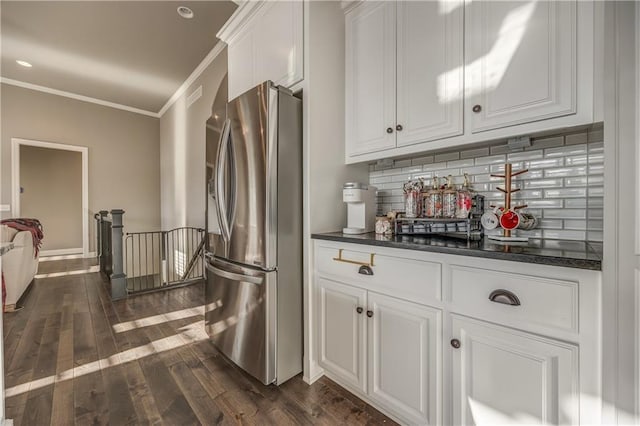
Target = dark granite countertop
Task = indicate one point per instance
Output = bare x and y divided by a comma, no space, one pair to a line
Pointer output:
571,254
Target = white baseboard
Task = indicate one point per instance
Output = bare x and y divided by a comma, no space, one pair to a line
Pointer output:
61,252
48,256
90,254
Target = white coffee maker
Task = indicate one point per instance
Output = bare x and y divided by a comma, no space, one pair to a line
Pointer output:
361,207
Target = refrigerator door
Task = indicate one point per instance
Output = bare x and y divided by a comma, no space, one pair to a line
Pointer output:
247,164
214,135
240,316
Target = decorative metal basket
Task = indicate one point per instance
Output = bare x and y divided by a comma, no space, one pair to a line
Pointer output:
469,228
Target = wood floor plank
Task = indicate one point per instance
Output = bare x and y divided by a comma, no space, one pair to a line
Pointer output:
144,373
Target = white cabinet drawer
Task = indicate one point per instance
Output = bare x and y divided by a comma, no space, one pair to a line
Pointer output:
545,302
410,279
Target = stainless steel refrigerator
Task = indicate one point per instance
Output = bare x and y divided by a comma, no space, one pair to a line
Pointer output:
253,310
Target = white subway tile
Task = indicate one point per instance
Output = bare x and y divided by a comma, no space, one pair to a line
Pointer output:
547,142
499,168
503,149
596,169
382,179
401,178
375,173
595,157
412,169
401,163
595,202
576,160
545,204
576,203
595,147
544,164
422,160
550,223
576,181
525,155
460,163
595,213
597,191
447,157
564,235
475,170
543,183
494,159
577,138
474,153
434,166
565,193
565,171
594,225
577,225
596,136
564,151
565,214
595,236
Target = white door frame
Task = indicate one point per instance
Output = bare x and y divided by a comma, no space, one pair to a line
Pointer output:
16,143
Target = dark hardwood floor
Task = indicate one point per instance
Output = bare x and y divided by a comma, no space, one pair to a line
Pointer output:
74,357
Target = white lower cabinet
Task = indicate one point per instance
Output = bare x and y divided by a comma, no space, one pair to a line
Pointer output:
342,331
385,347
504,376
404,358
439,339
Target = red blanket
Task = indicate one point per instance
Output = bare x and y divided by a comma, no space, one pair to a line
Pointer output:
32,225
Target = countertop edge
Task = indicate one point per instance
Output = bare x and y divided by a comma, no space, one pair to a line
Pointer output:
588,264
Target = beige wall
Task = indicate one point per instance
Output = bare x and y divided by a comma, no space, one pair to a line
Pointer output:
124,154
52,193
182,151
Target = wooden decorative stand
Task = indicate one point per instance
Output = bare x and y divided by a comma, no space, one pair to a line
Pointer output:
507,190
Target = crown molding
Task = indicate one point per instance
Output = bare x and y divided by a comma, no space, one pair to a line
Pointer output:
77,97
240,18
217,49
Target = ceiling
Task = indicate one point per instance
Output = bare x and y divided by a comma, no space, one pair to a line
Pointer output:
132,53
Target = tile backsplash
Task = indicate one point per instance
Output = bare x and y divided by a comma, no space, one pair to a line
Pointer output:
563,188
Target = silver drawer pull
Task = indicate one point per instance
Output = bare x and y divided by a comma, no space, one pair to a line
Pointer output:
233,276
505,297
365,270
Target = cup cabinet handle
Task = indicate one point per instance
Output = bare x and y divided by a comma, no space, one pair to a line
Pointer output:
505,297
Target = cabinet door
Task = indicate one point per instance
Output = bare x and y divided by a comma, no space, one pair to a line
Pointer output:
370,78
503,376
241,64
342,336
278,43
521,61
430,62
404,358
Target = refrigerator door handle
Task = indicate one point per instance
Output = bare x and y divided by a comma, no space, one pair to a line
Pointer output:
234,276
219,184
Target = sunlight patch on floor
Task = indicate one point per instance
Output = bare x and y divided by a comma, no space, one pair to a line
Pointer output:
158,319
190,333
92,269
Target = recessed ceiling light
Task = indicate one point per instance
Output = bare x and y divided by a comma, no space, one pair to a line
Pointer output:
24,63
185,12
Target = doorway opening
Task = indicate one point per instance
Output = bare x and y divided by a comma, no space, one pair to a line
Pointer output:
50,183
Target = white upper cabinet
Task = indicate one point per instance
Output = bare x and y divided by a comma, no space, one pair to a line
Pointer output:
404,77
265,42
521,61
371,78
467,72
430,72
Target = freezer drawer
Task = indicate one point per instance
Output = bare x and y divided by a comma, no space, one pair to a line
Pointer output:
240,316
